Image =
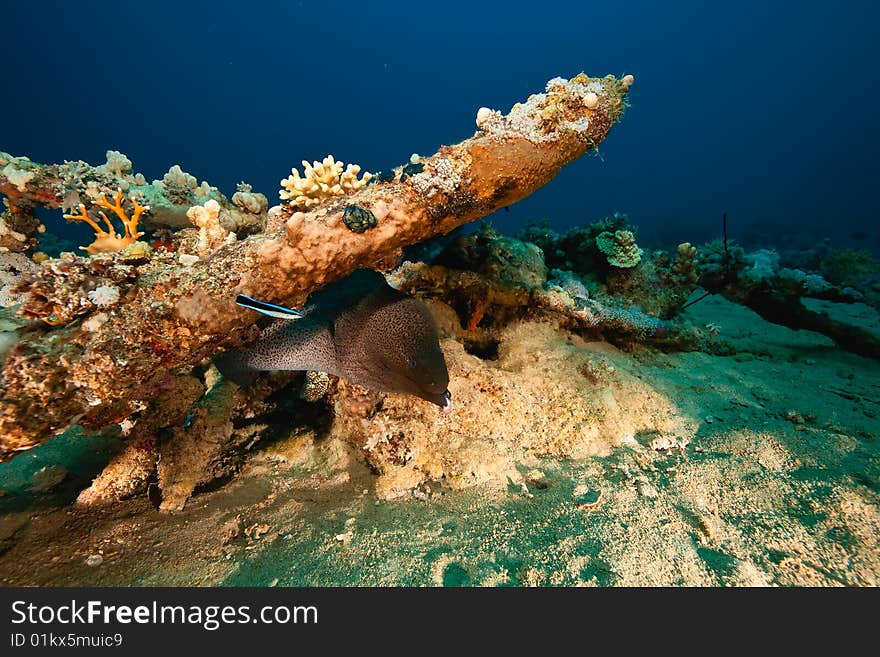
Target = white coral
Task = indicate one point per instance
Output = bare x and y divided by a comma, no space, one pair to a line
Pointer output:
810,283
250,202
441,177
18,177
488,119
117,163
580,125
320,181
378,431
104,295
211,234
542,117
178,180
764,264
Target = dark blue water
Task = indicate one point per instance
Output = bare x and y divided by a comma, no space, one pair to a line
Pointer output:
764,109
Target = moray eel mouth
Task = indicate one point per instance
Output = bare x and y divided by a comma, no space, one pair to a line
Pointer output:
447,407
443,400
408,382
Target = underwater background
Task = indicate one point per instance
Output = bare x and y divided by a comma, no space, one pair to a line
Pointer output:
765,110
641,395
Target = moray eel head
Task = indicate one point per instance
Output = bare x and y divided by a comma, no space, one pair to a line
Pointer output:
404,343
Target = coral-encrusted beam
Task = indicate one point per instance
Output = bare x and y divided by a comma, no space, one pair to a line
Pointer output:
182,315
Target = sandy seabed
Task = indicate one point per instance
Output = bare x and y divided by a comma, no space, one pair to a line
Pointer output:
566,462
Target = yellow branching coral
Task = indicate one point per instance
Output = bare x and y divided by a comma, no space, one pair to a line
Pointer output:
320,181
108,241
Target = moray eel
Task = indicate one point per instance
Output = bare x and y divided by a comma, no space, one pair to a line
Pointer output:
358,328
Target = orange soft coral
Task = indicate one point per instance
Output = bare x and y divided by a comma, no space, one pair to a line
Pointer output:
107,242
